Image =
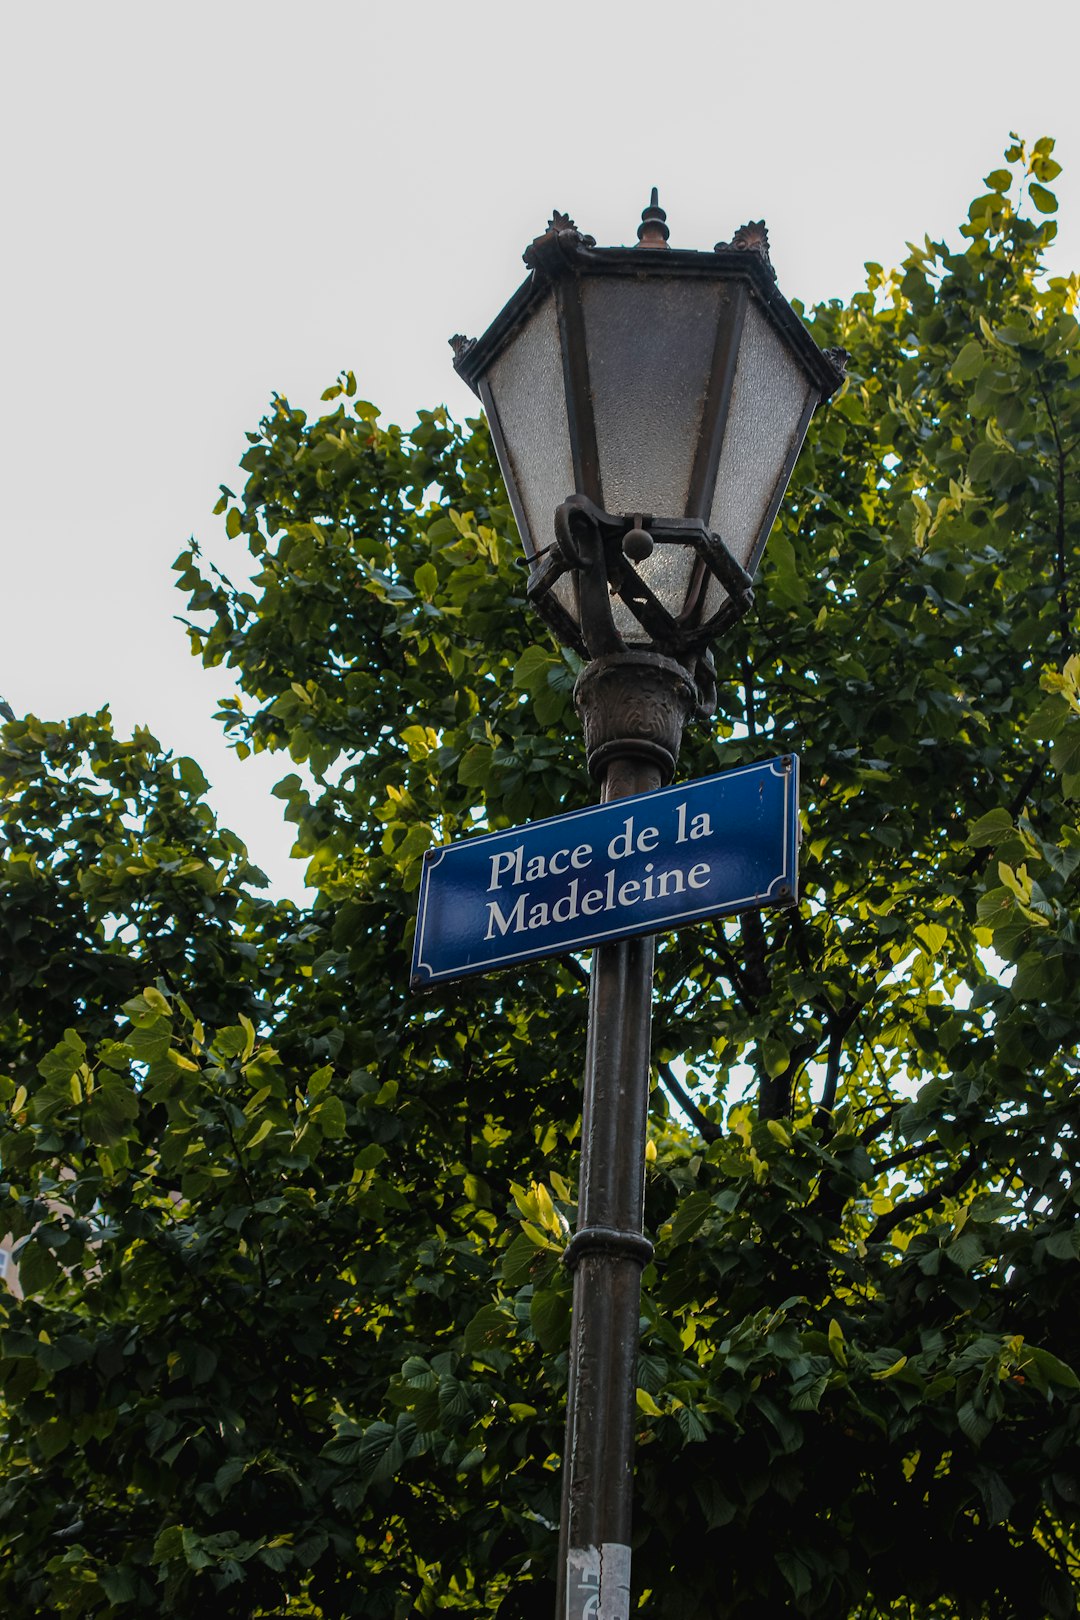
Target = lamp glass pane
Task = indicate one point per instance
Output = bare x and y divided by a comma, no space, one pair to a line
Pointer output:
650,341
565,590
768,399
667,572
526,382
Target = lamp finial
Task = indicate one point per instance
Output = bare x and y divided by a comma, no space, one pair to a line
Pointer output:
652,232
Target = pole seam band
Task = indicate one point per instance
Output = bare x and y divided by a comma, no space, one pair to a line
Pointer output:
631,748
607,1240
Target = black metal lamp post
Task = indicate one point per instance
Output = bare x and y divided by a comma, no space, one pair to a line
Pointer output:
647,406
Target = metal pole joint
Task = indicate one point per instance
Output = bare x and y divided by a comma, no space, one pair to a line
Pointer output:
607,1240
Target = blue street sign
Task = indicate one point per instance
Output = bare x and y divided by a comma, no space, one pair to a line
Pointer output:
634,866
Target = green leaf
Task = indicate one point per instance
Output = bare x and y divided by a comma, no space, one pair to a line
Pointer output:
808,1397
933,936
975,1425
550,1316
717,1509
689,1218
169,1544
990,830
119,1584
426,579
690,1424
249,1037
1044,200
110,1111
524,1262
38,1268
329,1115
969,362
1051,1368
260,1134
64,1059
193,779
533,667
490,1326
786,585
53,1437
1065,757
475,767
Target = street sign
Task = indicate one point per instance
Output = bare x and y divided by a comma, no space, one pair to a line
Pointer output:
639,865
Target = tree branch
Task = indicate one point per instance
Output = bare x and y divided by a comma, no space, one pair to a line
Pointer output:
927,1200
249,1189
838,1027
706,1128
905,1156
574,967
757,967
748,695
1061,578
733,971
880,1125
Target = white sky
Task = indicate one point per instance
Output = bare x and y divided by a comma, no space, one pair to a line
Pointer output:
208,202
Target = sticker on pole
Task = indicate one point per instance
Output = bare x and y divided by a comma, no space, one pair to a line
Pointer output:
640,865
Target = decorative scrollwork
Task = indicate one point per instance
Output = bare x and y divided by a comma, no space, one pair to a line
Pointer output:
562,240
749,238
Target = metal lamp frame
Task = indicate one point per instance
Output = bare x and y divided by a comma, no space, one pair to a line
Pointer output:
587,537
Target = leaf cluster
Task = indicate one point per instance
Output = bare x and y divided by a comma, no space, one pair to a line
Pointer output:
295,1333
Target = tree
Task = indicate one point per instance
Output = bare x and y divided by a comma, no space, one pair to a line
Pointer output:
294,1340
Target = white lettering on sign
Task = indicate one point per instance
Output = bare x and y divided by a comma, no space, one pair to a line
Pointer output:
526,913
510,868
511,861
700,827
513,869
626,842
515,916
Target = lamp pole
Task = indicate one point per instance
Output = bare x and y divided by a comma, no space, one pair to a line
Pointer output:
670,391
634,708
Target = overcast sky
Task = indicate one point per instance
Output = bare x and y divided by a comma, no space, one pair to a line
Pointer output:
210,202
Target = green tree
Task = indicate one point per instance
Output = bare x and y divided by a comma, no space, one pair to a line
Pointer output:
295,1334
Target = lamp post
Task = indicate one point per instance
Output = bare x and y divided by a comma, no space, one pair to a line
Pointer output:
647,406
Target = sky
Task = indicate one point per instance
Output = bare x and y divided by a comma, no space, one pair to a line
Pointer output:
209,203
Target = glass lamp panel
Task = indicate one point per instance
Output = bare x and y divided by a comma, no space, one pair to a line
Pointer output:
715,597
768,401
650,341
667,572
565,591
526,382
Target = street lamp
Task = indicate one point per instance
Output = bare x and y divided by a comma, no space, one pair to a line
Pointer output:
647,406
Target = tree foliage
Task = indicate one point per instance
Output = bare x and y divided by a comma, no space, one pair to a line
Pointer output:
295,1332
